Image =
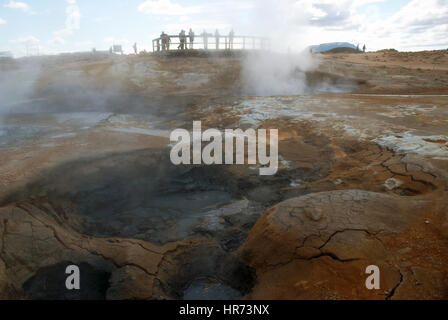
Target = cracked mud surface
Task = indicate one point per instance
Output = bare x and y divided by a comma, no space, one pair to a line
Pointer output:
338,232
362,180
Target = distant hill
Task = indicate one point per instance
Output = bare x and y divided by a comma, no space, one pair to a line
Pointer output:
325,47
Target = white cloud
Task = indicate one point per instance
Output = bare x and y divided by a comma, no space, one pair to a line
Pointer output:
197,26
84,44
112,40
27,40
101,19
184,18
166,7
72,23
56,41
72,20
358,3
422,14
214,14
415,26
18,5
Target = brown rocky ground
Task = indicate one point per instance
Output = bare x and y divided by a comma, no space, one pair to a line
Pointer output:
392,72
327,240
424,60
362,180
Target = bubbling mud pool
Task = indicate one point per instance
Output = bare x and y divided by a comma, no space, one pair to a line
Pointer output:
141,195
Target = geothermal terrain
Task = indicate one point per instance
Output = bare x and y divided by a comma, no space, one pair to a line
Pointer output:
86,178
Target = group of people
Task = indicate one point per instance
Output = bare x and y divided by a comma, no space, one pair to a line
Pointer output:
166,40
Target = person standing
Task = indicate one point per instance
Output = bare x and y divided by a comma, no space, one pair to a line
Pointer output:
183,40
205,37
164,38
217,36
191,35
168,42
135,48
231,36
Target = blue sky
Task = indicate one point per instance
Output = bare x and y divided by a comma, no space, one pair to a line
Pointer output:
54,26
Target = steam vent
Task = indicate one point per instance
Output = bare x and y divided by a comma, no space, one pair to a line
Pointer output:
223,171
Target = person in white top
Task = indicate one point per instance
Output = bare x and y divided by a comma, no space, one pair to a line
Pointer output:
191,35
231,36
217,39
205,36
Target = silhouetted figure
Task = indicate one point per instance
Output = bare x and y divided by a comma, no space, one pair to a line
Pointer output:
168,42
183,40
165,39
217,35
191,35
231,37
364,48
205,37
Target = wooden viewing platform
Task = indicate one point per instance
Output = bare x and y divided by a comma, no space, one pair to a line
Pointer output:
239,43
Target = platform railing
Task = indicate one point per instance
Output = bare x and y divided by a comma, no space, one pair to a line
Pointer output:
223,43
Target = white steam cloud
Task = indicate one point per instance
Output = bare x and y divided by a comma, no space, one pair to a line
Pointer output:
280,71
17,83
270,73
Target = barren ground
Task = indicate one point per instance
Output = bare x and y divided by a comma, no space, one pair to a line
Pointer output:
85,178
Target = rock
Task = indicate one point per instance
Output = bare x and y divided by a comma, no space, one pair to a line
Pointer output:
313,220
319,245
35,238
392,183
130,283
422,283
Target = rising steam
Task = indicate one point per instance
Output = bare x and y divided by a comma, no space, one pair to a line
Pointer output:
280,71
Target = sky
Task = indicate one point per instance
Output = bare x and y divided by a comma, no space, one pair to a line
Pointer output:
55,26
